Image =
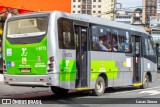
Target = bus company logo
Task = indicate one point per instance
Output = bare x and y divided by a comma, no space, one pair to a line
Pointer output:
6,101
8,64
24,53
39,59
24,60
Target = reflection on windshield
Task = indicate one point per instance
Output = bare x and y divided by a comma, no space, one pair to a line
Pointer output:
27,27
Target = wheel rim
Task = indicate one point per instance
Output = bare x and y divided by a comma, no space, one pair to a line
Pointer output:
100,86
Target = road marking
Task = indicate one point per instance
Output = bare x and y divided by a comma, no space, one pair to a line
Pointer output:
1,77
150,92
135,90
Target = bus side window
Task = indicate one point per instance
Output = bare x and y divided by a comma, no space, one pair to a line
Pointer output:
127,42
148,48
115,40
101,38
66,34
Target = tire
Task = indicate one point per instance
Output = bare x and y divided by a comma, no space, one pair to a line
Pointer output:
145,82
99,87
59,91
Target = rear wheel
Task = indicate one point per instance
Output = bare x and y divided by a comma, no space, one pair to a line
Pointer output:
145,82
99,87
59,91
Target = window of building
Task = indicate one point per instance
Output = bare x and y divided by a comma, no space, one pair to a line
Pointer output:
94,0
79,11
79,0
94,6
99,0
74,6
74,0
65,34
89,12
89,7
94,11
83,7
99,6
83,11
79,6
99,11
73,11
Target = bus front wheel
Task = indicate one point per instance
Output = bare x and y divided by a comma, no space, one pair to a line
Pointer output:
59,91
145,82
99,87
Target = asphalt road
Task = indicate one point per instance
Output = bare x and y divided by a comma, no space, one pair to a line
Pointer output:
118,95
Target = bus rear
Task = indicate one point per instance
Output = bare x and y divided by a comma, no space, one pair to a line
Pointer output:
25,50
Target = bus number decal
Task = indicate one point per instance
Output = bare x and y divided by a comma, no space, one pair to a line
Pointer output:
41,48
68,54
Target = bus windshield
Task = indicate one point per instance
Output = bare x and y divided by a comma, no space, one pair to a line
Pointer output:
27,27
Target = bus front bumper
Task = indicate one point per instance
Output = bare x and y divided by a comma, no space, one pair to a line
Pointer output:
28,80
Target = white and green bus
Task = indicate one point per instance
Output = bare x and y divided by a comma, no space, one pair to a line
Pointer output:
79,52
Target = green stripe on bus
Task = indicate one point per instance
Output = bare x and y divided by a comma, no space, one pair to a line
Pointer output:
108,67
67,70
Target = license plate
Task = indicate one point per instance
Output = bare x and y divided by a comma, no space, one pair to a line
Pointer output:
25,70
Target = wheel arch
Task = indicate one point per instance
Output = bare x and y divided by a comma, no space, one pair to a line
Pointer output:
104,76
148,73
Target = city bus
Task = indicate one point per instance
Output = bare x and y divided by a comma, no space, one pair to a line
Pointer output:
76,52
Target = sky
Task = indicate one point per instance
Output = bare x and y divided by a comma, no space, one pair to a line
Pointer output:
130,3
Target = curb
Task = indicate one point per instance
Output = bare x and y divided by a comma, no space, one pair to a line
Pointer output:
1,77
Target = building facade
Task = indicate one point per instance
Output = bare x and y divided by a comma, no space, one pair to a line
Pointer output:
149,9
130,17
100,8
158,6
124,17
155,26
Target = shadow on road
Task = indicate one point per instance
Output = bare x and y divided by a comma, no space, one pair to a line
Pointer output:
73,97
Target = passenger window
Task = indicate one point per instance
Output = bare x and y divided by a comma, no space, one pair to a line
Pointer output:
146,47
101,38
115,41
127,42
151,51
66,35
149,47
121,41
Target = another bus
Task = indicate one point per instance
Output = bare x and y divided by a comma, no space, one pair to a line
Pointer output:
79,52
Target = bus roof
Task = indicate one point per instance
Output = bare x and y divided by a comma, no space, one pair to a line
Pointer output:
102,21
87,18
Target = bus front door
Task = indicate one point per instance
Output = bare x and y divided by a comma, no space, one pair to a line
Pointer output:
137,53
81,55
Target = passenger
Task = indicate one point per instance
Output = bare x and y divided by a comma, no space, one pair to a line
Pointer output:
108,43
120,45
124,44
115,47
101,46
